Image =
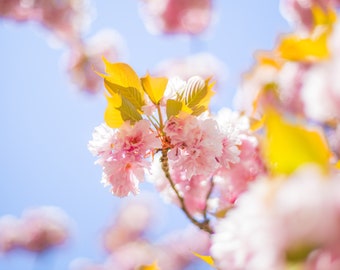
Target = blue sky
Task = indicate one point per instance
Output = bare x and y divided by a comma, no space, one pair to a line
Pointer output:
46,124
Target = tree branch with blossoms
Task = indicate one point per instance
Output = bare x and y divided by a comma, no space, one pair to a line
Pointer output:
194,146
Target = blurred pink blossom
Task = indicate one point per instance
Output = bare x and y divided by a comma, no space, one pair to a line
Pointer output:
132,222
280,221
38,230
173,251
66,19
176,16
10,236
85,57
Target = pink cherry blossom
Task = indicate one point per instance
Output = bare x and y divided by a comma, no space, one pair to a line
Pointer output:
66,19
131,223
38,230
176,16
44,228
123,154
278,220
85,57
196,144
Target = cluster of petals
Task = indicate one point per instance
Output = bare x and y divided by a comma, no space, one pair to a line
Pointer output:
282,221
37,230
66,19
219,149
123,154
244,152
176,16
130,224
166,252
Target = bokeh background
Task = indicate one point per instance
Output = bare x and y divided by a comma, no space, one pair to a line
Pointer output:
46,122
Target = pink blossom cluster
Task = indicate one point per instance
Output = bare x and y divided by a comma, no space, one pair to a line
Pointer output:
38,230
176,16
85,57
66,19
128,246
219,150
210,159
123,154
279,222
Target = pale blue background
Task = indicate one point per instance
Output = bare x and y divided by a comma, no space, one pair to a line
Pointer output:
45,125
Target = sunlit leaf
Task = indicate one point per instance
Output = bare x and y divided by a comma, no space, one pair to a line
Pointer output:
325,17
129,112
153,266
173,107
121,78
198,94
296,48
287,146
208,259
130,93
112,115
121,74
154,87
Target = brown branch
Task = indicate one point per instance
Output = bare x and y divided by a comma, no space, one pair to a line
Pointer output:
203,225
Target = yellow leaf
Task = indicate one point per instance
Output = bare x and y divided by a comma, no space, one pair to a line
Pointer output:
287,146
198,94
154,87
112,115
295,48
153,266
121,78
173,107
323,17
128,111
208,259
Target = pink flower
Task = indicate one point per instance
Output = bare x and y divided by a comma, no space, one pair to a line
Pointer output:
176,16
66,19
234,181
39,229
123,153
278,221
44,228
196,144
85,57
131,224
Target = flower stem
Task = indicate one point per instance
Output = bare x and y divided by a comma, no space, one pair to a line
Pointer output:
203,225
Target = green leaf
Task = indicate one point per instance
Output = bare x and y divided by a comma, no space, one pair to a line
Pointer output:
129,112
173,107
